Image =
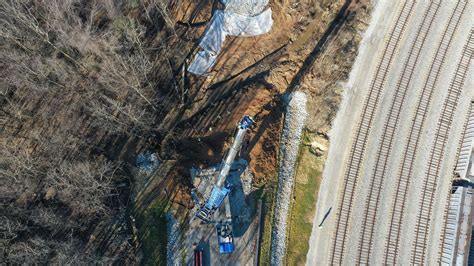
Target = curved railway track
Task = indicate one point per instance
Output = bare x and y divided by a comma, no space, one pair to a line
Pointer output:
448,232
406,170
372,203
358,147
435,162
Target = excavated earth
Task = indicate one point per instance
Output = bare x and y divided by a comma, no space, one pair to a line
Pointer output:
310,48
253,73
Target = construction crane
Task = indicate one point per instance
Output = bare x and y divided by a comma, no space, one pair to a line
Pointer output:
221,188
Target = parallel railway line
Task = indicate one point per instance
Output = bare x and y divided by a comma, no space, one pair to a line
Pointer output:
358,148
437,153
372,203
406,171
448,233
359,145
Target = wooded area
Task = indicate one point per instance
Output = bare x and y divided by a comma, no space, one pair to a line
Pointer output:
80,81
87,85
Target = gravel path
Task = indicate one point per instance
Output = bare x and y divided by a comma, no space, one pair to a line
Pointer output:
172,246
289,144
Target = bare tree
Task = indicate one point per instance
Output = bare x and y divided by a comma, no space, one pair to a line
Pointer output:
84,186
72,72
18,171
163,9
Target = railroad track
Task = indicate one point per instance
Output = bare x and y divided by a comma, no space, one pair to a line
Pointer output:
359,145
448,233
437,152
406,171
372,203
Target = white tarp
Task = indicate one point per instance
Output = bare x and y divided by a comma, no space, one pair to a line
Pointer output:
245,7
214,36
240,25
225,23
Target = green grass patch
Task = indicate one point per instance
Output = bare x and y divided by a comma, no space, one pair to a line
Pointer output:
152,233
305,193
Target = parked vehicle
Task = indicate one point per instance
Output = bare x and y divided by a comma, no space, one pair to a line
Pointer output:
198,257
225,238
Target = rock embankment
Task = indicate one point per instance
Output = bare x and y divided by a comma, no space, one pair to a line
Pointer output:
289,143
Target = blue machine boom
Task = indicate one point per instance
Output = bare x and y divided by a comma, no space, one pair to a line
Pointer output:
220,191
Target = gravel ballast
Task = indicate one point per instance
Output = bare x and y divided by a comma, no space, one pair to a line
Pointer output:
289,143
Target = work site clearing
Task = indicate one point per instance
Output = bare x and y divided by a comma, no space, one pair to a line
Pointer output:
205,132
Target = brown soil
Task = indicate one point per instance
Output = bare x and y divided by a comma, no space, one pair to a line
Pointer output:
311,47
253,73
251,77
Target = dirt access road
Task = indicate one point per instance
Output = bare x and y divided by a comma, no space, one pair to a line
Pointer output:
395,138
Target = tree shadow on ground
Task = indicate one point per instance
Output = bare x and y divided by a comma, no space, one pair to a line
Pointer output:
328,35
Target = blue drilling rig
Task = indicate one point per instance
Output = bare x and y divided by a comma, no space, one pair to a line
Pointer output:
221,189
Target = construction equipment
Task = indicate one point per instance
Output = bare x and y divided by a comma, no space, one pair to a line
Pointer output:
221,188
225,238
224,230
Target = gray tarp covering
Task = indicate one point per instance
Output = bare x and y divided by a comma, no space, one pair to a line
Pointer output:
225,23
245,7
